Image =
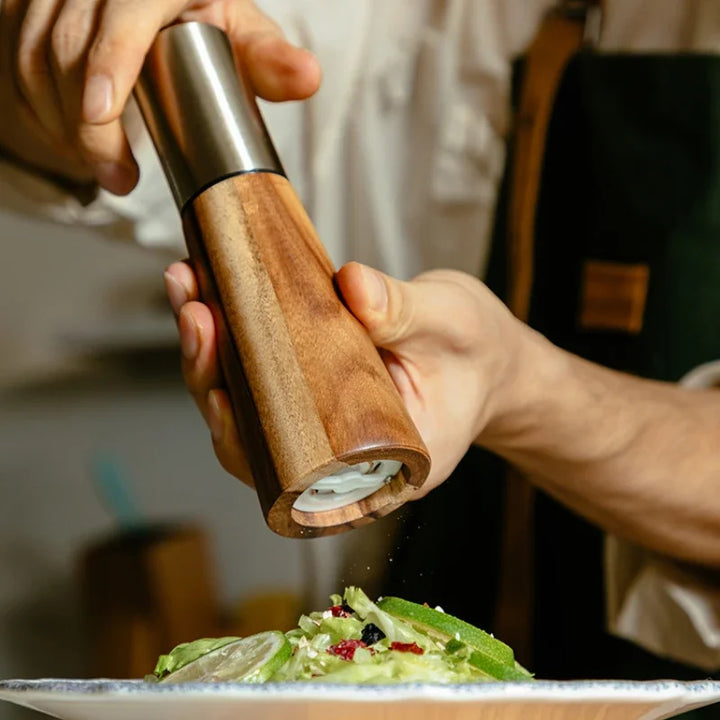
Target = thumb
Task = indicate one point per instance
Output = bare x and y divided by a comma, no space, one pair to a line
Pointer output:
388,308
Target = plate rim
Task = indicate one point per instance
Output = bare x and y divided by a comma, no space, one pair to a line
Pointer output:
101,689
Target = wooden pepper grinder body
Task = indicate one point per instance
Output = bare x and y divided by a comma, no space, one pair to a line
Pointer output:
328,439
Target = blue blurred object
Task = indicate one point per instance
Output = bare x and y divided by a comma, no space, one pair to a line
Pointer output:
110,480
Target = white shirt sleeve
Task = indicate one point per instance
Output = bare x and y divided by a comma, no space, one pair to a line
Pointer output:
660,605
398,157
147,215
664,606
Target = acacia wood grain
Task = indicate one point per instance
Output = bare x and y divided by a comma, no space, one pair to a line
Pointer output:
309,390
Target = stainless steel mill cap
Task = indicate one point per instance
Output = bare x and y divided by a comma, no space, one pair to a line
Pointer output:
201,114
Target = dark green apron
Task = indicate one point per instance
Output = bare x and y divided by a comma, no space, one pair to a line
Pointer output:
632,175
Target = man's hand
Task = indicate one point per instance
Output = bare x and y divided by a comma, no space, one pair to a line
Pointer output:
638,458
450,345
68,67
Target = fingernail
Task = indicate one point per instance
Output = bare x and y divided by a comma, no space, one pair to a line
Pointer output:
115,178
177,294
189,335
97,98
216,419
376,289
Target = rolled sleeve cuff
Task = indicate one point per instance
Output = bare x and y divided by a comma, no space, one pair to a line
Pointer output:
668,608
147,215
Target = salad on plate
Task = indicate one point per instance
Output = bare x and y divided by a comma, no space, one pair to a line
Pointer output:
353,641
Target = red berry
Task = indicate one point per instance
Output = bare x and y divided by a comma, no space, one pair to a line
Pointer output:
339,611
346,648
407,647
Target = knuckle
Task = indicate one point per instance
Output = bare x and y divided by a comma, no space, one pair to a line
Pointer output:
100,143
91,141
402,314
67,150
66,45
29,65
107,48
194,384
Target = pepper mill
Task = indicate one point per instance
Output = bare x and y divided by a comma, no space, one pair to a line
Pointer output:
327,436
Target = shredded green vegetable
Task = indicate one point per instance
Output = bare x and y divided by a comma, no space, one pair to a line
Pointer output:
355,641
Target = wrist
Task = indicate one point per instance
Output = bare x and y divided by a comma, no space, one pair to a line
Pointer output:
564,409
528,394
81,187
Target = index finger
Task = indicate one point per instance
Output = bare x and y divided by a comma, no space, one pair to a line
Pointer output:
277,70
124,34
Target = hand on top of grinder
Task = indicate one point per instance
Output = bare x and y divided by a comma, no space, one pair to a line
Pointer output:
68,67
451,347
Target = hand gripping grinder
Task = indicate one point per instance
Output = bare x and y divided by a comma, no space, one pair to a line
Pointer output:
328,439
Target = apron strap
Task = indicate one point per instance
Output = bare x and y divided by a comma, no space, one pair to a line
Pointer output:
561,35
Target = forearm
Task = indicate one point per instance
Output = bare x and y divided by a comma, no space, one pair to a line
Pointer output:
639,458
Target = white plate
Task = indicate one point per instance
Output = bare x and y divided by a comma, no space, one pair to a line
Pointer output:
135,700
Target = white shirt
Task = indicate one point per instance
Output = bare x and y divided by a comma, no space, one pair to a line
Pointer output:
398,160
399,156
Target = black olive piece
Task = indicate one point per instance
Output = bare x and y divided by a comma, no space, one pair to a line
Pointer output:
371,634
346,608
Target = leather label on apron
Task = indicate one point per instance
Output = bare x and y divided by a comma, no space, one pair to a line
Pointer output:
613,296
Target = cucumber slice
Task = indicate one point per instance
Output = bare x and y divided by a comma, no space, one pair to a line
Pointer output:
253,659
499,671
447,627
185,653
